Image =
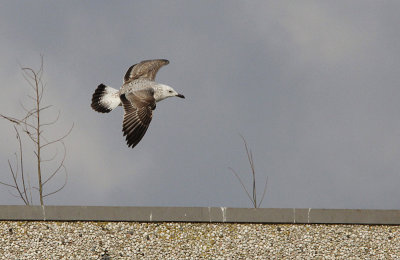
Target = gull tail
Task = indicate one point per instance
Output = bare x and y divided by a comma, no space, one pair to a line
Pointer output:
105,99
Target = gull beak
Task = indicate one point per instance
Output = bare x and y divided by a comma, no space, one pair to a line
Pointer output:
180,95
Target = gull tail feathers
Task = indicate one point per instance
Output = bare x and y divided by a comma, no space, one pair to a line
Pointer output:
105,99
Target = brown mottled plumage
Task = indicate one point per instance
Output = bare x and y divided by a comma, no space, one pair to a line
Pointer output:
138,96
146,69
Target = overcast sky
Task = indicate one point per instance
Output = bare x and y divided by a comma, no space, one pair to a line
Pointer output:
314,87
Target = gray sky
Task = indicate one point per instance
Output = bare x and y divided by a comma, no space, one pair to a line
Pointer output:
314,87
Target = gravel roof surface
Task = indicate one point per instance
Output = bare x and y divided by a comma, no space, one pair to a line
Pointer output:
134,240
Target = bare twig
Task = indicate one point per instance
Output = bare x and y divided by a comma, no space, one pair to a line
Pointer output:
16,183
21,163
252,198
51,158
9,185
12,120
32,126
54,121
243,186
59,139
264,191
62,187
61,165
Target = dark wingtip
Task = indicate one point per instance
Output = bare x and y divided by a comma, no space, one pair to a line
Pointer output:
166,61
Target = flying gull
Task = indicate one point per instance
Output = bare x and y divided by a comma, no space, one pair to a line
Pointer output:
138,96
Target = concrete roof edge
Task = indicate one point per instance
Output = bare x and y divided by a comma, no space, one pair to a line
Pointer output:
200,214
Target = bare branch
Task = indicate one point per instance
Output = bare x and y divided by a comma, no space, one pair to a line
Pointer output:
241,182
31,125
52,122
51,158
12,194
29,113
12,120
6,184
21,163
253,198
41,92
265,190
16,121
28,79
31,136
59,139
16,184
62,187
23,107
34,111
33,76
16,165
247,149
30,97
61,164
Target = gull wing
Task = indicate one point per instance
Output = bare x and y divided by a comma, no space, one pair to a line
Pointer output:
138,112
146,69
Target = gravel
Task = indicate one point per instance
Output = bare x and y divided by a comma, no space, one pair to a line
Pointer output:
134,240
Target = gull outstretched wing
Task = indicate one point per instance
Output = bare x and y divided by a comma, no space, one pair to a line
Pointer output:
138,112
146,69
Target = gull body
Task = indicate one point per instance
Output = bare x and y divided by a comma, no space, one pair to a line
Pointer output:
138,96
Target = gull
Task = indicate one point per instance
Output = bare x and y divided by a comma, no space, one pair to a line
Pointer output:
138,97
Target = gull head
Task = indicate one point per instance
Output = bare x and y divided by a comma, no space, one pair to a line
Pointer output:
164,91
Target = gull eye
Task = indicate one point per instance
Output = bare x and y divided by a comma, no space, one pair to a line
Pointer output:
170,91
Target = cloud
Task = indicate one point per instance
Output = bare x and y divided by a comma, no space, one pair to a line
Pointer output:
313,87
